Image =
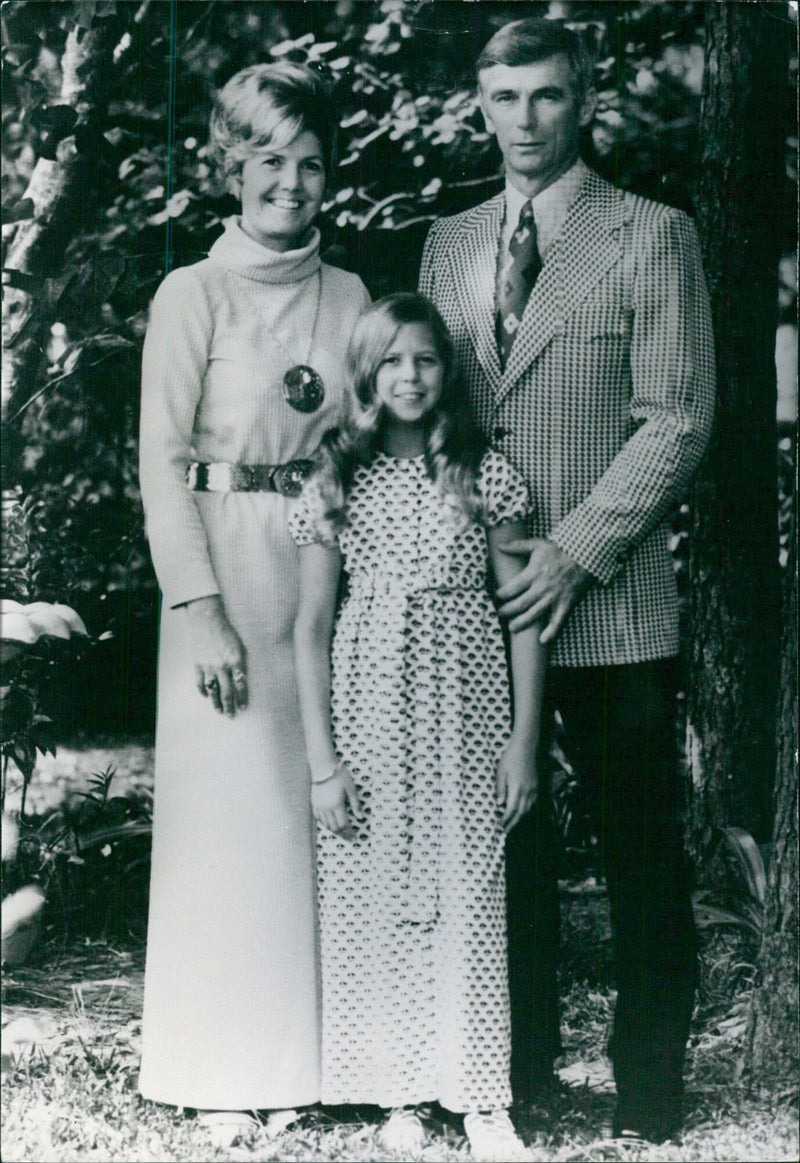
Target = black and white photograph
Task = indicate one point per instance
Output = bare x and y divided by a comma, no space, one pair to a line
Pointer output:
398,581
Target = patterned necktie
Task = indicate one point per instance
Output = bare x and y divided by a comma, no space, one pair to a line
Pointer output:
519,273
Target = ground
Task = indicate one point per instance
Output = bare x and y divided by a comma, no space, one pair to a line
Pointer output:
70,1090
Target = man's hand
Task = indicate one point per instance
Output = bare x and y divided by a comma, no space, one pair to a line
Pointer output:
552,582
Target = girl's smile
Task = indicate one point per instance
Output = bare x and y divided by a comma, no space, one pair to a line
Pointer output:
281,191
409,380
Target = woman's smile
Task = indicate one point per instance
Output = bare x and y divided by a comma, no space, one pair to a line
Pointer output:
281,191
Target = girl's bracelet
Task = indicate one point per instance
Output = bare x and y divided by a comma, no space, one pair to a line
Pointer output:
324,779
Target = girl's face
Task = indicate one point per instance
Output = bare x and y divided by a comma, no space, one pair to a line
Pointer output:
281,191
409,378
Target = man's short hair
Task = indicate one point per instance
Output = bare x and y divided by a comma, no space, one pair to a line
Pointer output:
525,42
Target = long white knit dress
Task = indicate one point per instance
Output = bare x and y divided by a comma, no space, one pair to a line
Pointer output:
231,1006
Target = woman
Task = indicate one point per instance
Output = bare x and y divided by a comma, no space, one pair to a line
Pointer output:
243,370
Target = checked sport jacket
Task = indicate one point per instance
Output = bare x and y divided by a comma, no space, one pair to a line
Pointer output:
606,403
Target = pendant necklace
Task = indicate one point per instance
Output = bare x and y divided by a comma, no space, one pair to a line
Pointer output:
303,387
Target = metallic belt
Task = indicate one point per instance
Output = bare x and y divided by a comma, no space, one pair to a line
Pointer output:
223,477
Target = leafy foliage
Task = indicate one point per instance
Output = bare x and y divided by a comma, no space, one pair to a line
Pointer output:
27,635
731,917
27,638
91,859
745,890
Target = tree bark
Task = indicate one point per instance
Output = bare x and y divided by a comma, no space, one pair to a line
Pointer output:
61,192
773,1047
734,574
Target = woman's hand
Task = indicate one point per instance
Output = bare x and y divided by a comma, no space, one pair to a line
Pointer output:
331,799
220,657
516,780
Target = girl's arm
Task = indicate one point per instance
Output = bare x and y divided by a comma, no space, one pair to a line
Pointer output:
517,777
332,785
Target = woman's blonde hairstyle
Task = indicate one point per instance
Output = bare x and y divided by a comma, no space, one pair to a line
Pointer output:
454,447
266,106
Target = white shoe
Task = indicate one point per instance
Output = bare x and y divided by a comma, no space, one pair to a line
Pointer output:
403,1132
492,1138
278,1121
224,1128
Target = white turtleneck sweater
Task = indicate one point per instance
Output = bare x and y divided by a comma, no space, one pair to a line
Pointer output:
222,334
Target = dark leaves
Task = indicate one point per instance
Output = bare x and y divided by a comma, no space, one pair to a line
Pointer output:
19,211
85,12
20,56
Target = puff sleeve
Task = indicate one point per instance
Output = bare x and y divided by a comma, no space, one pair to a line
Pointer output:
304,518
505,493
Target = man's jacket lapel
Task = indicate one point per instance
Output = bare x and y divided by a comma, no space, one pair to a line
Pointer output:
588,244
473,262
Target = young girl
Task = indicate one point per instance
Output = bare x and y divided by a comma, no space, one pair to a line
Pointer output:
415,772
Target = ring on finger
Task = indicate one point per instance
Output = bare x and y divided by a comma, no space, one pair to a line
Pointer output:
239,677
212,684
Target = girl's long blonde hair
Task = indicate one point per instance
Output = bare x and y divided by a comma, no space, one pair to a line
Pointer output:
453,444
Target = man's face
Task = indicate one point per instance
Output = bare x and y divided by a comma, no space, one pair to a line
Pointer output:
536,117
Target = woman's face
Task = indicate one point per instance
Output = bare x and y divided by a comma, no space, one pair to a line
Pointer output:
281,191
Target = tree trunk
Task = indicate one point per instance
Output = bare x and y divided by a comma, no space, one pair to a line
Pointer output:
735,602
60,193
773,1049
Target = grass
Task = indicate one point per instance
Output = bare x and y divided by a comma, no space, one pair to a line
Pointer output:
70,1091
73,1096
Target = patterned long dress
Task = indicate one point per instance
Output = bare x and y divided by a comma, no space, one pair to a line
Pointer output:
412,911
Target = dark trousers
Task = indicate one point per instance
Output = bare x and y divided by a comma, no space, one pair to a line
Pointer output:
619,727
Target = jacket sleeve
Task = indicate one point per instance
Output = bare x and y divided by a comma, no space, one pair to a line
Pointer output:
174,363
427,281
672,404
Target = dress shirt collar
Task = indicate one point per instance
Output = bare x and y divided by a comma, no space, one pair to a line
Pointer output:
550,206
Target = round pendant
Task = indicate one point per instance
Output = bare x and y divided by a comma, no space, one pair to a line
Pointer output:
303,388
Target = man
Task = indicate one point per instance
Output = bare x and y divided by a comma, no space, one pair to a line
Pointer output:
581,320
